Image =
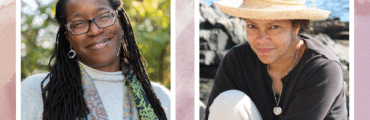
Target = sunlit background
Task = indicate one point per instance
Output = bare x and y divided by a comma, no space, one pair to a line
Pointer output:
150,20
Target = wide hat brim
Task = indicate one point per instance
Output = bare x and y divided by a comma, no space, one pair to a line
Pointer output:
254,9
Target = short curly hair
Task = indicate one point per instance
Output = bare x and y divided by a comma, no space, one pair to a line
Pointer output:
303,23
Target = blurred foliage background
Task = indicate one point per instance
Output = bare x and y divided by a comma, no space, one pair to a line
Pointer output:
150,20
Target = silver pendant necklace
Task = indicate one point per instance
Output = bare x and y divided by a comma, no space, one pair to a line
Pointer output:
277,110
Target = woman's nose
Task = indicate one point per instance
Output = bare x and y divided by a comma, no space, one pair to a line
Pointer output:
94,30
262,36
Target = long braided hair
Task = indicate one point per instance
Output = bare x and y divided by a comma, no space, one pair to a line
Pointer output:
63,94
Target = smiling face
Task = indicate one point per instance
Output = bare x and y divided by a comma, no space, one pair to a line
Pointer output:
98,47
272,40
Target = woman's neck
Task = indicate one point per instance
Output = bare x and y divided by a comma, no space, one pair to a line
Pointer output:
282,67
112,66
102,75
278,71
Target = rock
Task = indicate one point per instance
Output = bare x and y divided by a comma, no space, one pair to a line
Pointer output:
211,57
219,12
214,39
224,24
218,33
208,13
347,101
239,31
332,27
208,71
346,77
201,19
202,110
205,88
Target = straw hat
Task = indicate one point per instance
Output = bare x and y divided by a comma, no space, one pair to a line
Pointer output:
272,9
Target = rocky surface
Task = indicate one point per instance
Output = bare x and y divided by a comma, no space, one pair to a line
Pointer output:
219,32
202,108
332,27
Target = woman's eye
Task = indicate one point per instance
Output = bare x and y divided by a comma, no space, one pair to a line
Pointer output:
104,17
250,26
77,24
275,27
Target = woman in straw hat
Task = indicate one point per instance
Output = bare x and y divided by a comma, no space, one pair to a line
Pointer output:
280,73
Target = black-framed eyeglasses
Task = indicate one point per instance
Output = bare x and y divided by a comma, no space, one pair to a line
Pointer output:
82,26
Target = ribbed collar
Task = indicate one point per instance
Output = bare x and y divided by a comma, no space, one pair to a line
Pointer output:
103,76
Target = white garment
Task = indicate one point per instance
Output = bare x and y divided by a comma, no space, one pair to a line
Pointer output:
108,84
233,105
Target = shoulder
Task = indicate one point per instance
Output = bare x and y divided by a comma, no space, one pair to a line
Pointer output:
317,48
33,83
160,89
31,98
319,65
239,54
162,92
239,60
241,48
163,95
326,66
317,53
321,71
317,58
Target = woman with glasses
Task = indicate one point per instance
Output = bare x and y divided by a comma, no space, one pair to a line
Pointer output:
98,72
280,73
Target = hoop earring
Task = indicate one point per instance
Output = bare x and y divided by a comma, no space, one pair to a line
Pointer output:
71,54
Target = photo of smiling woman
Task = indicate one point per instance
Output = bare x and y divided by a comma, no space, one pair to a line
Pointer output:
96,70
280,73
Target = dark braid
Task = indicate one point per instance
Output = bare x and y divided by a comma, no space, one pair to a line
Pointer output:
64,100
132,53
63,95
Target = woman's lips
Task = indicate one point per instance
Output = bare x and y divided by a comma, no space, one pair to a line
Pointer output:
99,44
264,50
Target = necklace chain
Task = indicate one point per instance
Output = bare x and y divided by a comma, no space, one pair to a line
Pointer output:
268,69
277,101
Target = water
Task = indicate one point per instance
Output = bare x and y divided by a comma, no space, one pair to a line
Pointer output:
337,8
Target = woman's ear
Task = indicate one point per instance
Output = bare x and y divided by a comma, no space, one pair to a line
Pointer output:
67,36
120,24
119,19
296,29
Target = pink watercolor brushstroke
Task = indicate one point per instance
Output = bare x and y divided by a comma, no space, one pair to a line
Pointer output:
185,60
361,49
7,59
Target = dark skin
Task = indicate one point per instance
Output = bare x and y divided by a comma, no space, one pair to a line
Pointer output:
99,47
275,43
